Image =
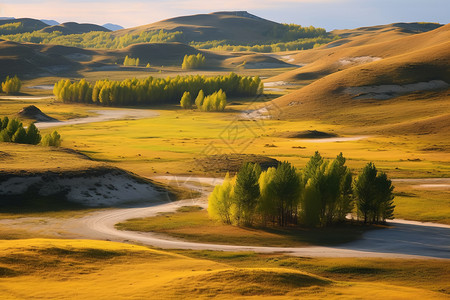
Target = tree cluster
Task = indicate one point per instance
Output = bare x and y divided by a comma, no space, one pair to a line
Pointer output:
320,194
193,61
11,28
156,90
129,61
11,85
217,101
300,44
12,131
290,32
52,139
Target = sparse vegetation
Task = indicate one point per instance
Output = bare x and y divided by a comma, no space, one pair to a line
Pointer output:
129,61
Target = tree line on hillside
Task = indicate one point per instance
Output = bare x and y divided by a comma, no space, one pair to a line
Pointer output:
193,61
94,39
11,85
300,44
282,37
12,131
11,28
217,101
320,194
154,90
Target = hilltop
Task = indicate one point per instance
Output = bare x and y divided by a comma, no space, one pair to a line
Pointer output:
237,26
74,28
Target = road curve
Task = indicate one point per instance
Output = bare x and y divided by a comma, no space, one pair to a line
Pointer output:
102,115
403,239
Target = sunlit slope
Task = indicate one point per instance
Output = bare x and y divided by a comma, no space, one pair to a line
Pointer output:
236,26
81,269
359,50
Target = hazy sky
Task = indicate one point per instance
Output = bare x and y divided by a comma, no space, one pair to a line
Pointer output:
331,14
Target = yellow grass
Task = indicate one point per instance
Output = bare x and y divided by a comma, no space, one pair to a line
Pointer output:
68,269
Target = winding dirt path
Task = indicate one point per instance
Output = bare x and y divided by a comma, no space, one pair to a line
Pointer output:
403,239
103,115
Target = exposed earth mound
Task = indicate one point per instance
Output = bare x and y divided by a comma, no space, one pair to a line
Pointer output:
232,162
306,134
34,113
95,187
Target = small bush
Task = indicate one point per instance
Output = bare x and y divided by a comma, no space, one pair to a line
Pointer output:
193,61
52,139
11,85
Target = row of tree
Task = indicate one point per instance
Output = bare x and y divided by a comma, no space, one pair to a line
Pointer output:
154,90
193,61
300,44
12,130
11,85
321,194
93,39
217,101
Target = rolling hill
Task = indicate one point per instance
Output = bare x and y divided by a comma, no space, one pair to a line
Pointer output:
27,25
362,46
74,28
237,26
408,84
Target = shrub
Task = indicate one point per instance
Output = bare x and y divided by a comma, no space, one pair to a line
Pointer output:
11,85
52,139
193,61
186,101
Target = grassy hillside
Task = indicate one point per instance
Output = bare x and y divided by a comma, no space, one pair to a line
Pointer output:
237,26
21,25
74,28
68,269
369,46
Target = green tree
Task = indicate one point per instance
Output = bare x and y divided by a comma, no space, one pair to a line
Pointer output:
193,61
287,187
246,192
33,135
266,205
199,99
373,193
11,85
20,136
221,202
186,101
52,139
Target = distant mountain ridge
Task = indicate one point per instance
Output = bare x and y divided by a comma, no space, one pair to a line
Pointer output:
112,27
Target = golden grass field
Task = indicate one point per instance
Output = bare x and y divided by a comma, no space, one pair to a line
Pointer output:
68,269
407,137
